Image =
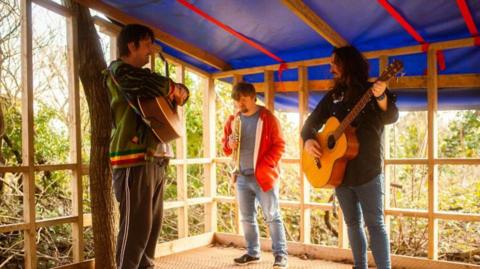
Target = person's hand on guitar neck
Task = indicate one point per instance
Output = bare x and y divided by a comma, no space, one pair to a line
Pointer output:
313,148
179,93
378,91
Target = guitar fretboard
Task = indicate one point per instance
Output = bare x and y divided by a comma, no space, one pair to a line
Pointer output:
389,72
353,114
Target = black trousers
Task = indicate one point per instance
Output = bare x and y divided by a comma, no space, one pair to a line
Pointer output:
141,212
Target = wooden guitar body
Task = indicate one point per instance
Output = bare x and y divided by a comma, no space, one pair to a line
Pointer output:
328,170
338,142
162,117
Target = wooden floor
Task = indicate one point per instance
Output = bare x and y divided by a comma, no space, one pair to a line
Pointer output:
214,257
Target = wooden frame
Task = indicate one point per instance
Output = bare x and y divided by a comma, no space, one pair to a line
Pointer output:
299,8
79,220
170,40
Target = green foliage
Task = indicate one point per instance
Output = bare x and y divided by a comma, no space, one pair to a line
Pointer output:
51,139
463,136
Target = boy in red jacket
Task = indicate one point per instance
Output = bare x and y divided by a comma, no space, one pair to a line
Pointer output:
259,145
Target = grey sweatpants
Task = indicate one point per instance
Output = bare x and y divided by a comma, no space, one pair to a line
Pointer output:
141,212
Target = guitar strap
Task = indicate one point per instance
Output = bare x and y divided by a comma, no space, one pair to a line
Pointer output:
140,130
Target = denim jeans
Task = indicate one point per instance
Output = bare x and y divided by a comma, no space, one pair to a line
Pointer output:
366,200
249,196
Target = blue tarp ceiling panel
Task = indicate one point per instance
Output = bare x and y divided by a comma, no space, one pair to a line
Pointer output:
363,23
457,99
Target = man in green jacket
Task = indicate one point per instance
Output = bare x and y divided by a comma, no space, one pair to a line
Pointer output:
139,160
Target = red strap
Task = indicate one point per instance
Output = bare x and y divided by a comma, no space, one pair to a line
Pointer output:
467,16
238,35
394,13
409,28
441,60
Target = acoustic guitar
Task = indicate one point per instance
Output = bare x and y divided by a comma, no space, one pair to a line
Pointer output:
338,142
162,117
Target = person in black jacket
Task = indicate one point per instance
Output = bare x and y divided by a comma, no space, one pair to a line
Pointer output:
361,192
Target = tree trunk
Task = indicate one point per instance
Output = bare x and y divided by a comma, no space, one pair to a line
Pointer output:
91,63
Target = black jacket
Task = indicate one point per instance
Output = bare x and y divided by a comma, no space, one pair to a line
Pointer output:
369,126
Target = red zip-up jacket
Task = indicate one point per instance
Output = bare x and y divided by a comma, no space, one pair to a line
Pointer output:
269,147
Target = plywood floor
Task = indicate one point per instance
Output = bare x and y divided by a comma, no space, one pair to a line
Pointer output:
214,257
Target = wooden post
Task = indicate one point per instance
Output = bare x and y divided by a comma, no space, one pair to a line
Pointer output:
210,152
383,63
342,230
238,224
113,47
75,139
305,214
432,154
237,79
152,62
27,136
182,167
269,90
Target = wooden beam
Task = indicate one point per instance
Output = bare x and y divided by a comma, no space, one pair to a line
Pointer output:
210,151
13,169
113,30
29,233
342,255
183,244
88,264
382,64
56,221
6,228
452,44
54,167
441,161
182,169
191,161
168,39
54,7
75,138
269,90
400,83
274,67
307,15
432,153
305,216
238,224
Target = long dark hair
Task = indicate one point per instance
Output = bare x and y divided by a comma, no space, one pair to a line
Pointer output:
354,71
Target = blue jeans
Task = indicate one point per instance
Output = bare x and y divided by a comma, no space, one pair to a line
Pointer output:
249,195
366,200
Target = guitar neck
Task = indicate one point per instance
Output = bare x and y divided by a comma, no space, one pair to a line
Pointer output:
353,114
388,73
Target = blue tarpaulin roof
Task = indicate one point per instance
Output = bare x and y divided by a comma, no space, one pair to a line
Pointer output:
363,23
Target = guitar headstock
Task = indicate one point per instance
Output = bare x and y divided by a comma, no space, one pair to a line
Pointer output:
391,70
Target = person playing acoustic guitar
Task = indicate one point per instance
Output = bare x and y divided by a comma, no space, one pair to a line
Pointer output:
260,146
138,159
361,192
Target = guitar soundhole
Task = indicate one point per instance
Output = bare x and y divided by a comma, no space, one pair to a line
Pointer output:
331,142
317,163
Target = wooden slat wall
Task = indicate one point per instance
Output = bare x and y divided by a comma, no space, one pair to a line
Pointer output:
78,220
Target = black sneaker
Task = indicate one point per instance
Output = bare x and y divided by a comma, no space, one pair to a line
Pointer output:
246,259
281,262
